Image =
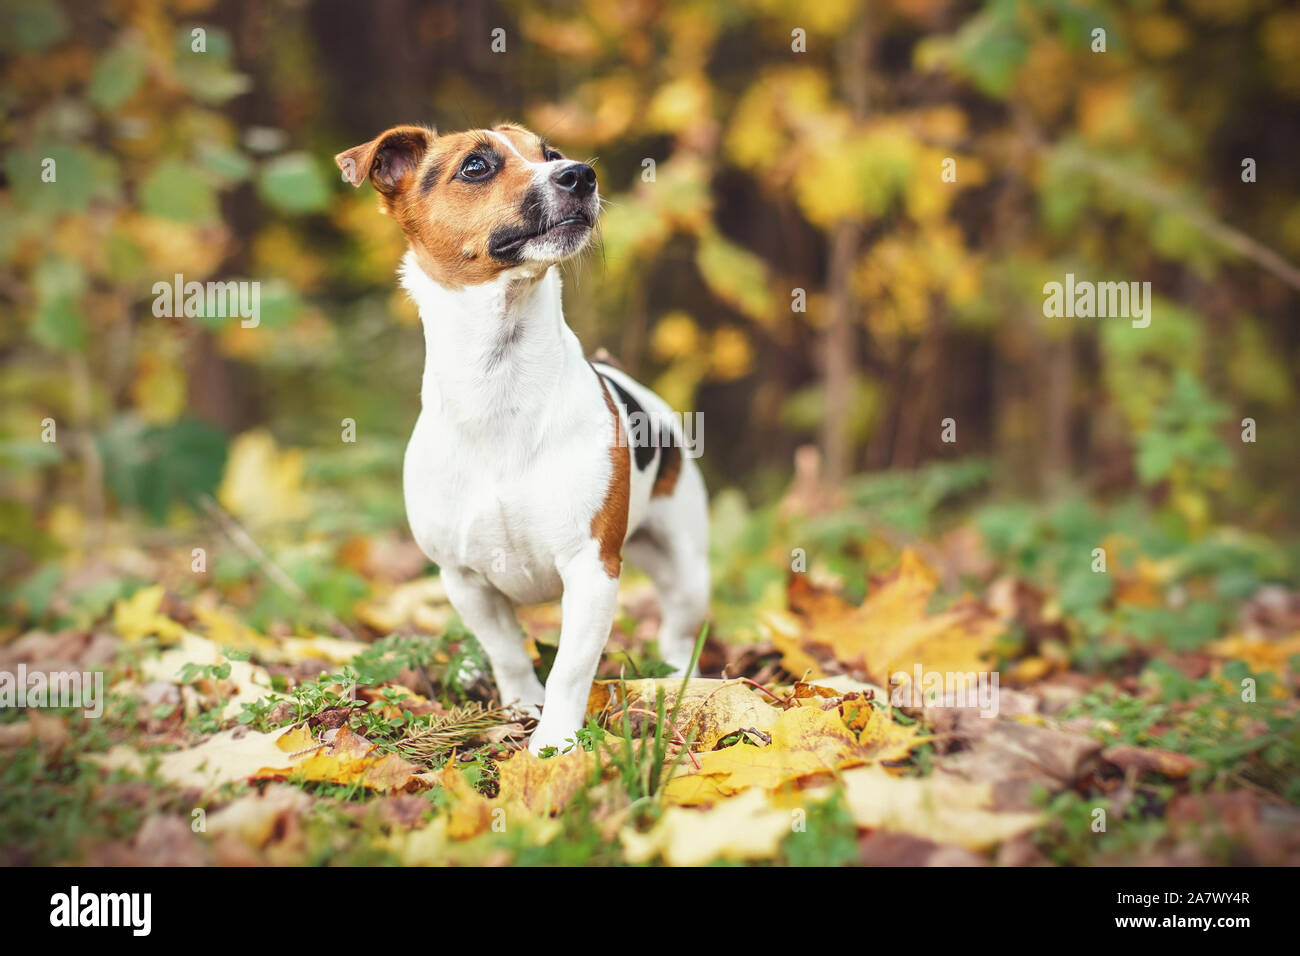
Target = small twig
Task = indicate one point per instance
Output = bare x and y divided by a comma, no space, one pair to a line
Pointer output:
244,541
783,701
306,750
1166,198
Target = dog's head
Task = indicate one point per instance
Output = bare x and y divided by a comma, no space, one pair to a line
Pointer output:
476,203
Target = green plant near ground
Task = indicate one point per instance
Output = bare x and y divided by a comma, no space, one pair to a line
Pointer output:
1072,838
53,821
642,763
442,661
1237,740
827,835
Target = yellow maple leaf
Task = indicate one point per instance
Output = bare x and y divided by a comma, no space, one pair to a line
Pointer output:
529,788
787,636
138,616
347,760
891,633
262,483
806,741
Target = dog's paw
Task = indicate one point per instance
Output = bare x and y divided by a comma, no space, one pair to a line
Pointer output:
544,737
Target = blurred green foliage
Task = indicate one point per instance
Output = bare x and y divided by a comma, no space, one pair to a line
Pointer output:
194,137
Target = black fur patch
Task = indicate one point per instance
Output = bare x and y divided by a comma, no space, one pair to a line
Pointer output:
644,454
431,177
506,242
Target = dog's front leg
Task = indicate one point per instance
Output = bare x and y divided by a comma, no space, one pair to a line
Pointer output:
488,614
587,613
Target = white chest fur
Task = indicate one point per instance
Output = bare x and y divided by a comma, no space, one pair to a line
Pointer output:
510,457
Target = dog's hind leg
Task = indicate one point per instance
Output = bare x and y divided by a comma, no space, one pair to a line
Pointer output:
672,547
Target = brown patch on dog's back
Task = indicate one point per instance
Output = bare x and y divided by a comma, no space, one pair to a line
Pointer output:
609,524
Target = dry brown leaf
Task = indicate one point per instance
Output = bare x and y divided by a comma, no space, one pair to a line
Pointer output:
1151,760
1013,756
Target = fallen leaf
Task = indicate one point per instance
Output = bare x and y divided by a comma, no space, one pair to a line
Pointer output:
1167,763
529,787
263,483
257,818
1259,653
138,616
347,759
223,758
787,636
241,754
747,827
942,809
246,684
806,741
422,604
902,849
1014,757
710,709
891,634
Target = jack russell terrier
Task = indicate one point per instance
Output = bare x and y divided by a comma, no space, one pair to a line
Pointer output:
520,480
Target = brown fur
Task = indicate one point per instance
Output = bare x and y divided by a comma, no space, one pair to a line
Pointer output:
449,225
670,466
609,524
604,358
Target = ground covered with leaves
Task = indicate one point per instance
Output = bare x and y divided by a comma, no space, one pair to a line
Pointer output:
311,698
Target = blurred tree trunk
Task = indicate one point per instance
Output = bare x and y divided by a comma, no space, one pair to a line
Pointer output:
839,365
1056,464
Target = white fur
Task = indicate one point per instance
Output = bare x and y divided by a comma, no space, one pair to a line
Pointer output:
509,462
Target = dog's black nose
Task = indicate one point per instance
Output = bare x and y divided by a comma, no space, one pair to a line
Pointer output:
576,178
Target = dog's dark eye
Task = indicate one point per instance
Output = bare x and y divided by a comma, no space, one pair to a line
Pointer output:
551,155
474,167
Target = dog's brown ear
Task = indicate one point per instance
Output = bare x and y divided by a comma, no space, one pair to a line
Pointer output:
389,160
